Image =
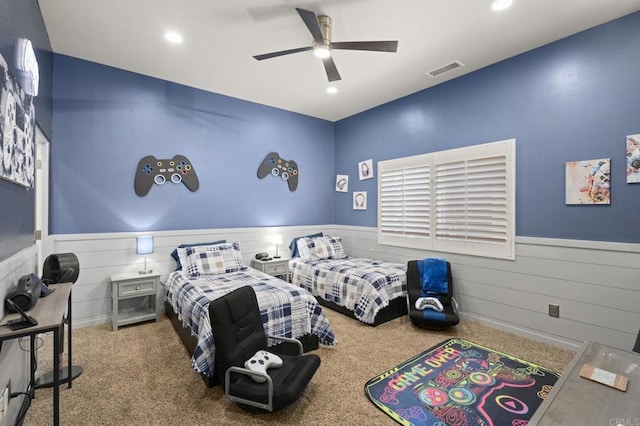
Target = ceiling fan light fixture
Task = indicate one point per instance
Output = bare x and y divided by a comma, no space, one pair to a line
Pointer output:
322,51
332,89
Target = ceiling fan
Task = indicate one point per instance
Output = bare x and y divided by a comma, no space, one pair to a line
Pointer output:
320,28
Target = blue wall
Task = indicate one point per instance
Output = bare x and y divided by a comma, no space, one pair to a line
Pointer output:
22,19
575,99
105,120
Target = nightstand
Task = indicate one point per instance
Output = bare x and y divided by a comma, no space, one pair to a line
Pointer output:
275,267
136,297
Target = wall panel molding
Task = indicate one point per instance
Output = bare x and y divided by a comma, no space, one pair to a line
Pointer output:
104,254
595,283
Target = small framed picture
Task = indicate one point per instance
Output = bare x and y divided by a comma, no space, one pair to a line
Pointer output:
365,169
633,158
360,200
342,183
588,181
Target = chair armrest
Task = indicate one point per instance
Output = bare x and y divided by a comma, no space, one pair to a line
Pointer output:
250,373
289,340
454,304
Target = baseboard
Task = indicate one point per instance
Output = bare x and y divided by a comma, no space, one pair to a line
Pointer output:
572,345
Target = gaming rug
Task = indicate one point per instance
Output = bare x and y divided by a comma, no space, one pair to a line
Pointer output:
460,383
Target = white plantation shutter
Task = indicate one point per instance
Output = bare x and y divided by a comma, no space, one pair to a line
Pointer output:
417,201
405,201
467,205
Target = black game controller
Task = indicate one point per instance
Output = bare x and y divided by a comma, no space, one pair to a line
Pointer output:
276,166
151,170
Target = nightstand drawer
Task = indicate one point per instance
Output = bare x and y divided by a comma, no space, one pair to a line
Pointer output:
136,287
276,268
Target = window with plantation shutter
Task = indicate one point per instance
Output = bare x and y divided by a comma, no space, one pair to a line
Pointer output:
405,202
460,201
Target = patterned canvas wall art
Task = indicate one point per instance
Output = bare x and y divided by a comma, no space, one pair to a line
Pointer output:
588,182
633,158
17,131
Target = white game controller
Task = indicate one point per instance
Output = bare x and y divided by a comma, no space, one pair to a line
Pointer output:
429,302
260,362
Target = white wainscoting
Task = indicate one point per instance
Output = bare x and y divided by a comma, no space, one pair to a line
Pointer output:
14,355
102,255
596,284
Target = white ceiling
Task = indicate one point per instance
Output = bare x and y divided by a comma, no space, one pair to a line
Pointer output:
221,37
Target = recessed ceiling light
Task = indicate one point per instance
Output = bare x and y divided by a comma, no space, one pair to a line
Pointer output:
332,89
173,37
498,5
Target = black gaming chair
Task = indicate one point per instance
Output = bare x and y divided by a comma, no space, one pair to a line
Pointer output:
238,335
430,317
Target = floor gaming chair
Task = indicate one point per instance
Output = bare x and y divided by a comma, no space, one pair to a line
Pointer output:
431,302
239,338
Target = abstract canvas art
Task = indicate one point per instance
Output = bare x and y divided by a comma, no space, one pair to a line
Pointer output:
588,182
633,158
17,131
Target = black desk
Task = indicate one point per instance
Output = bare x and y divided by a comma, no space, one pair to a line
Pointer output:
50,314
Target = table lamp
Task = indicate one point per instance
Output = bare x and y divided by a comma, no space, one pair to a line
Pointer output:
277,240
144,245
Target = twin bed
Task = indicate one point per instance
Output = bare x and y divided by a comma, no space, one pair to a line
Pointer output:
370,291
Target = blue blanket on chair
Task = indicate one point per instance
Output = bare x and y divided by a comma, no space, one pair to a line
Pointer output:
433,276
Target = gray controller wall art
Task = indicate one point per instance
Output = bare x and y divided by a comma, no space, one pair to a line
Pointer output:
176,170
287,170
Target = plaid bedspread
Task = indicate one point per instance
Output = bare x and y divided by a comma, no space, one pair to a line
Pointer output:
361,285
286,310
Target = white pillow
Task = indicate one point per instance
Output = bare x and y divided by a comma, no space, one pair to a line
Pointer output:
320,248
211,260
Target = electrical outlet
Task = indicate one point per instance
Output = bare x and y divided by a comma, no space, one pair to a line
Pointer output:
554,310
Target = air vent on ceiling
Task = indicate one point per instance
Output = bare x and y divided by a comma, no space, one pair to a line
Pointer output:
449,67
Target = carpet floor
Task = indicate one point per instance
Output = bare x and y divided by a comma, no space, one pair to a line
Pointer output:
142,375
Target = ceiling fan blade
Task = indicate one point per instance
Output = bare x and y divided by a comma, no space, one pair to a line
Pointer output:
311,21
376,46
330,68
281,53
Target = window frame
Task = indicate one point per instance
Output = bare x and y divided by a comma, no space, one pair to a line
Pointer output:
470,203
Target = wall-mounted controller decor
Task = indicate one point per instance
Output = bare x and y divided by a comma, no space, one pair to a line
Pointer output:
276,166
176,170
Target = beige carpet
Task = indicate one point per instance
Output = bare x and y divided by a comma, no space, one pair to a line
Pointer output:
141,375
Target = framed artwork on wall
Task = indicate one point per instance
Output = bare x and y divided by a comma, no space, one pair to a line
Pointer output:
365,169
17,130
360,200
633,158
588,182
342,183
